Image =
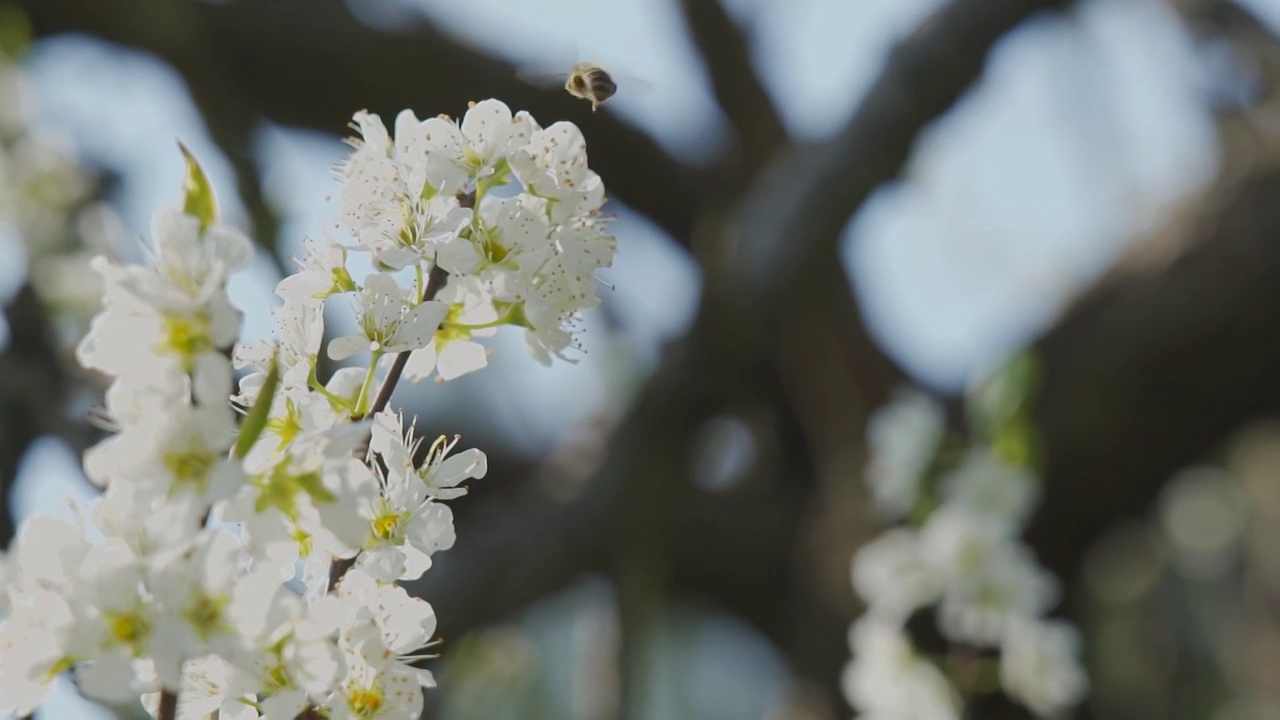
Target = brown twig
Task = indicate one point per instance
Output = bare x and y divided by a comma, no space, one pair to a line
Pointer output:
435,282
168,706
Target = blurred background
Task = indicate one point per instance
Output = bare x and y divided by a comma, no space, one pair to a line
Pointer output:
818,201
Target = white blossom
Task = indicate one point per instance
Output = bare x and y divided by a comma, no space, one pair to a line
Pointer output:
992,490
440,473
407,624
988,578
398,198
210,685
391,320
392,519
452,352
31,647
902,438
290,647
322,272
377,684
887,678
890,574
1009,585
183,449
1040,666
193,590
488,136
554,167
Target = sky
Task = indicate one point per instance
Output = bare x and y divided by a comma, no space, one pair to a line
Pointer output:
1078,138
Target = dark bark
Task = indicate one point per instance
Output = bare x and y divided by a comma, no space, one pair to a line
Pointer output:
1159,365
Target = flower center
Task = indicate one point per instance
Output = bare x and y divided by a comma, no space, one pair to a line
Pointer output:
128,628
191,467
386,527
205,614
186,336
365,702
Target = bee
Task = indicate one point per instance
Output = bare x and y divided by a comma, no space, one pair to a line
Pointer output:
587,81
591,83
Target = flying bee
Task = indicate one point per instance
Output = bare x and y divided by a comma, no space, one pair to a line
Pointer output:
589,82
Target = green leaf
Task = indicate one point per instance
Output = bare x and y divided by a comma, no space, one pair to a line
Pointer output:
256,419
1017,444
197,200
313,486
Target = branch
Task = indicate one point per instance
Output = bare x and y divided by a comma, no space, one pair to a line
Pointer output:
435,283
168,709
1175,349
1159,365
33,398
315,73
821,186
743,98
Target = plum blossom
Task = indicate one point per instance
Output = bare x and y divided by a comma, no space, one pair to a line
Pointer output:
961,557
391,320
887,678
1040,666
902,438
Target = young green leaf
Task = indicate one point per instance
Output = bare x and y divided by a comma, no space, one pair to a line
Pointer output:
197,199
256,420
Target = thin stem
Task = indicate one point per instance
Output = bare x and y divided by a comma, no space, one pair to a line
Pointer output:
434,284
168,706
510,314
363,397
315,384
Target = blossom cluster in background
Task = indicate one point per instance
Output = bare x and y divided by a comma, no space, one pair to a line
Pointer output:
48,211
957,553
250,567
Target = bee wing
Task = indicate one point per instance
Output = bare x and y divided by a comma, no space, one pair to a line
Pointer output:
542,78
632,85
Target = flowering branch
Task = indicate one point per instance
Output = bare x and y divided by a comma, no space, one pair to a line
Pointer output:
435,283
957,557
316,475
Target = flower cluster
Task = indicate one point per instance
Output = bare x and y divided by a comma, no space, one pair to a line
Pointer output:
46,203
440,192
251,567
960,553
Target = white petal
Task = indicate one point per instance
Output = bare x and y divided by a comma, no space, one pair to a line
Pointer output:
109,678
461,357
348,345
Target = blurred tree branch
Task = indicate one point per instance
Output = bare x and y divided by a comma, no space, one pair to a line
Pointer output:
726,53
1158,365
25,406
